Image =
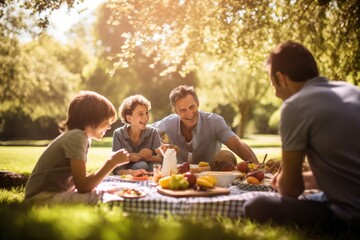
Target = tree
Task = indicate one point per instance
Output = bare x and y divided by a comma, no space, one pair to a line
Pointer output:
235,85
140,76
184,34
178,36
330,30
33,81
37,83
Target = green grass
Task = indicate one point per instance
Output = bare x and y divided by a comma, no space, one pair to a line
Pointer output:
19,220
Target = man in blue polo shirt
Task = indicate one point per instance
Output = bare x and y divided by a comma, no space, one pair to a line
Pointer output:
199,134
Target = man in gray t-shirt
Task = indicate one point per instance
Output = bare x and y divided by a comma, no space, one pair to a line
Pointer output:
320,120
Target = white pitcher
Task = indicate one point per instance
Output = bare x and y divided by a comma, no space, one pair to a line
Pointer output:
169,163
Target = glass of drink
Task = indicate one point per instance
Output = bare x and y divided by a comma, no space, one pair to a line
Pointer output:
157,172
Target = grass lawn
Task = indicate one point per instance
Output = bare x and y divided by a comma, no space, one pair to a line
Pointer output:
20,221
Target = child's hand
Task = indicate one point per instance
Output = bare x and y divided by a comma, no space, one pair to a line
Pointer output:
145,153
162,149
121,157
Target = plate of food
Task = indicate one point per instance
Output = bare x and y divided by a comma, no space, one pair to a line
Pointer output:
131,178
130,193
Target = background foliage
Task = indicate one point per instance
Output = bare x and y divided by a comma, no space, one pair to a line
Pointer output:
151,46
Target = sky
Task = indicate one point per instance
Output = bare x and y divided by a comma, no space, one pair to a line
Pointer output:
63,19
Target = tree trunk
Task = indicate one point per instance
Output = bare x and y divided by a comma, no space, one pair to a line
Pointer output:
245,111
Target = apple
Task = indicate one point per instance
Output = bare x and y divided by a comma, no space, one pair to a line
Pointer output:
259,175
184,167
242,167
180,169
191,178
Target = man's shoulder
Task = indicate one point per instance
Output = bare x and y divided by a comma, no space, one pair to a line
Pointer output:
168,119
167,123
171,117
150,129
210,115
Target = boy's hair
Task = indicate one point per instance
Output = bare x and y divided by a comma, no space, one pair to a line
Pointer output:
294,60
88,108
129,104
181,92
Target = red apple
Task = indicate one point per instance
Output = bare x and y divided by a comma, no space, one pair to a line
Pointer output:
257,174
186,166
242,167
191,178
180,169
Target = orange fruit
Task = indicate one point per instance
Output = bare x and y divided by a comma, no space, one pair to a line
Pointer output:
252,180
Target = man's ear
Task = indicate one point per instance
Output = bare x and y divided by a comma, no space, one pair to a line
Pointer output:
282,79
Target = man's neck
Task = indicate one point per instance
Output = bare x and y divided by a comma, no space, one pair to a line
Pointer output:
187,132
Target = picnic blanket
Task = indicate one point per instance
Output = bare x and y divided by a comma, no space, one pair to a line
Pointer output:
154,203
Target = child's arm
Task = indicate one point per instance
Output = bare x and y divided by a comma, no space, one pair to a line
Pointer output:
86,183
135,157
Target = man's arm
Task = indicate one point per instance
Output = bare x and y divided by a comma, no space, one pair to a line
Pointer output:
289,182
241,149
309,180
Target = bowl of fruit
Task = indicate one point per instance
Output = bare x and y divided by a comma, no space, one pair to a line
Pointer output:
224,178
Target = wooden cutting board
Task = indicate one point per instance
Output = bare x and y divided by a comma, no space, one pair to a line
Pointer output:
192,193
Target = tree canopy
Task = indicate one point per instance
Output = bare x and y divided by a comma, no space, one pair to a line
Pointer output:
151,46
182,33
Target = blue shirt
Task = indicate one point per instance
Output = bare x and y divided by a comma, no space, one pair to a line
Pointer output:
149,139
208,135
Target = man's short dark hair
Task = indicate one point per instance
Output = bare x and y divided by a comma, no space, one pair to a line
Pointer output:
181,92
294,60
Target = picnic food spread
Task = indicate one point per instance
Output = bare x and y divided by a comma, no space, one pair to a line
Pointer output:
130,193
255,173
199,181
130,177
194,190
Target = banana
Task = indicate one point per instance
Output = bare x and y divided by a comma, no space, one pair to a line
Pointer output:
203,164
211,179
204,183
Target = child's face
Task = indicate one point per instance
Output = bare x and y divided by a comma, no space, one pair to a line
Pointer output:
139,117
98,132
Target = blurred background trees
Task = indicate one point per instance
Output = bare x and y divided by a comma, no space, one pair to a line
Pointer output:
151,46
